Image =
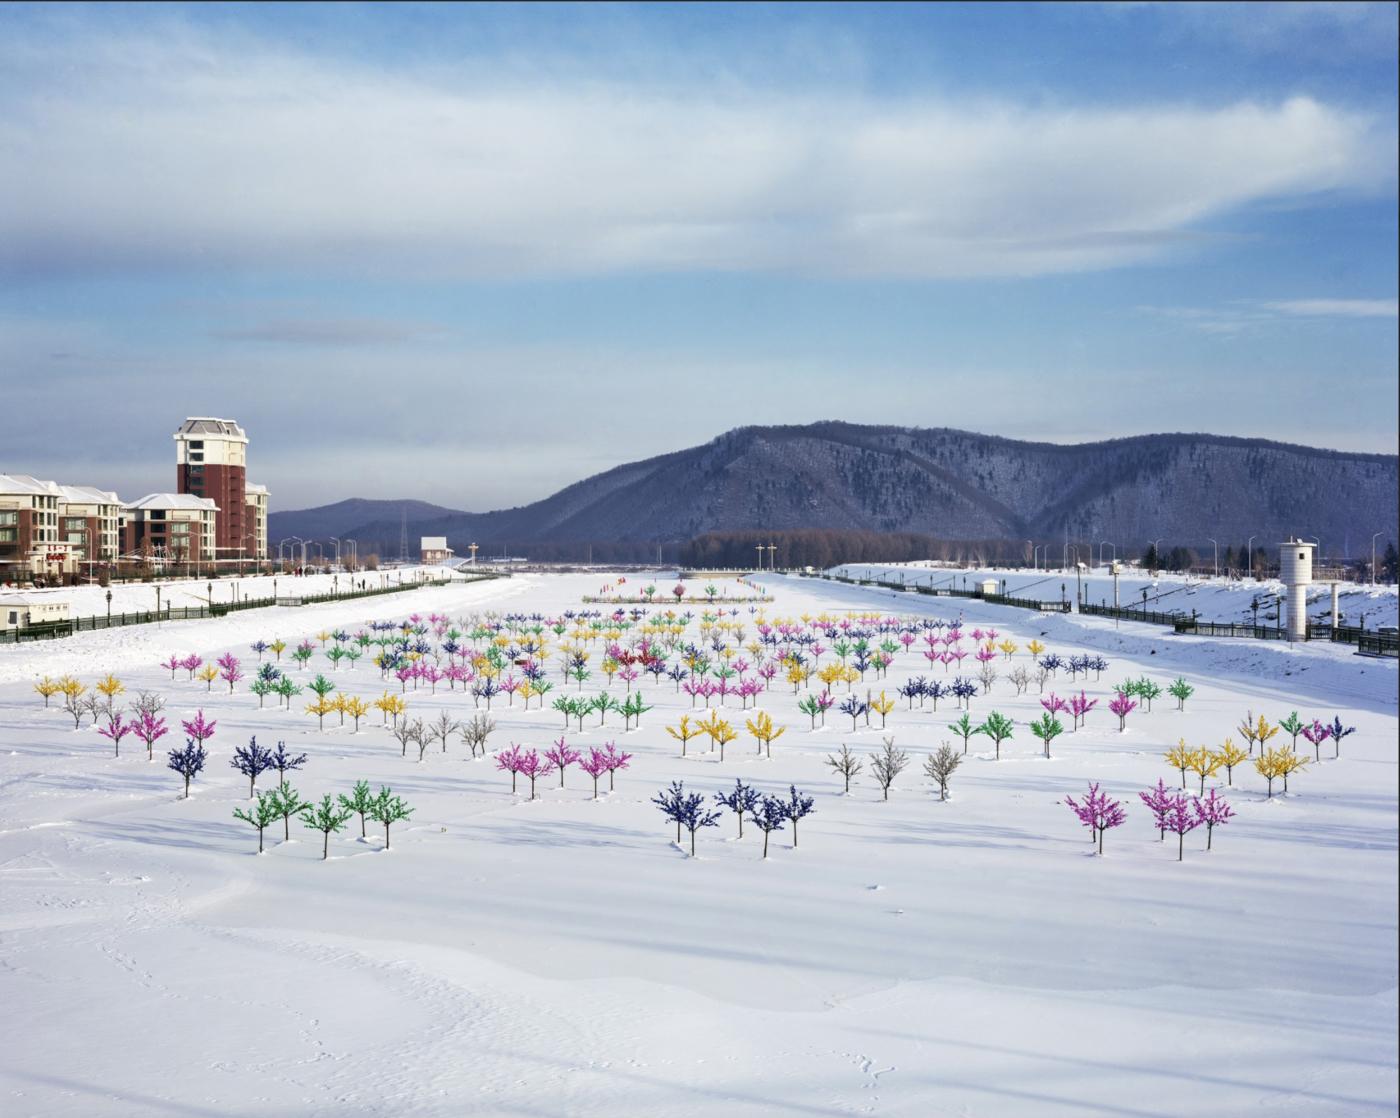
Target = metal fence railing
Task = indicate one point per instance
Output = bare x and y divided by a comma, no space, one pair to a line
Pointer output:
50,630
1366,640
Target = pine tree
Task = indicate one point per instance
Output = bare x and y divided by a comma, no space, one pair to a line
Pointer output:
326,817
359,802
388,808
261,816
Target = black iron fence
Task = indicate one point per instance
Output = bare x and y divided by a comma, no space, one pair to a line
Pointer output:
1366,640
48,630
1125,613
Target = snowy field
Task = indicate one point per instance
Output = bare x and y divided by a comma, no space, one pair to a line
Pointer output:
1213,599
564,956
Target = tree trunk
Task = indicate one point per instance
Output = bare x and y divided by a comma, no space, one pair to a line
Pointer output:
187,786
386,836
260,840
765,844
325,845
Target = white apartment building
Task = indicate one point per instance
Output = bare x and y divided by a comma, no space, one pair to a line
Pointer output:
255,523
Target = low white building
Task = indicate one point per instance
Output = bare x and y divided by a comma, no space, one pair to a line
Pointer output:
20,611
434,549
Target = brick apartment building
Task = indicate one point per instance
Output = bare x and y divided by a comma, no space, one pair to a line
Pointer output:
175,527
29,541
50,531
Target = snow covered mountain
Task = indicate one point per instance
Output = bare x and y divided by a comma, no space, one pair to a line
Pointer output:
935,481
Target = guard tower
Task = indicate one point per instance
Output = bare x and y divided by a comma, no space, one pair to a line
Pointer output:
1295,563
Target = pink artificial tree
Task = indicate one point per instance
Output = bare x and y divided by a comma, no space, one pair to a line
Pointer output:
1179,819
595,765
191,664
1316,734
1122,706
1214,811
150,729
199,728
115,730
560,756
1079,706
617,761
1054,704
228,670
1159,801
530,764
173,663
508,761
1097,812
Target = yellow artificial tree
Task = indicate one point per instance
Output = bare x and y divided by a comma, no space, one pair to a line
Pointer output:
48,687
1229,756
684,732
762,728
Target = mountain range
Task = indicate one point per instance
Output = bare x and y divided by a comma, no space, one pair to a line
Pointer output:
938,482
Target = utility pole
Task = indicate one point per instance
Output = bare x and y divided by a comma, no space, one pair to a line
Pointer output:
1215,562
772,556
759,549
403,535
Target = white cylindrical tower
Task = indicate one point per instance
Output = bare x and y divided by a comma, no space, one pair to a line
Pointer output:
1295,569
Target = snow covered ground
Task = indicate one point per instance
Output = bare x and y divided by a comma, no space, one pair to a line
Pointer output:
1213,599
564,956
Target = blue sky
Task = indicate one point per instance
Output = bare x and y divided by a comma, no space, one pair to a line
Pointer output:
473,254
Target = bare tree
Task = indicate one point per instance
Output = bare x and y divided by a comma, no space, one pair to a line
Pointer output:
1042,674
987,676
846,763
98,707
75,705
1021,678
475,730
406,731
887,764
940,767
147,702
441,728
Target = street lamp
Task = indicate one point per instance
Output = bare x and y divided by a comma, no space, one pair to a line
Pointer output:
1373,557
1249,550
1110,544
157,607
759,549
109,609
1031,545
1215,562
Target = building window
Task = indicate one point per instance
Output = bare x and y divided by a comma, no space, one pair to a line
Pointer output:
196,444
9,535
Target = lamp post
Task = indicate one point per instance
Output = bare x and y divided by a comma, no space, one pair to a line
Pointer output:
1373,557
759,549
1110,544
1031,545
109,609
157,607
1215,562
772,556
1249,551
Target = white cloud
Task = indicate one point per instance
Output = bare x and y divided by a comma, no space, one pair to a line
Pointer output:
1337,308
186,153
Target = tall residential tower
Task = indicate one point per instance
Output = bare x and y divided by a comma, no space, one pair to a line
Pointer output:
211,461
